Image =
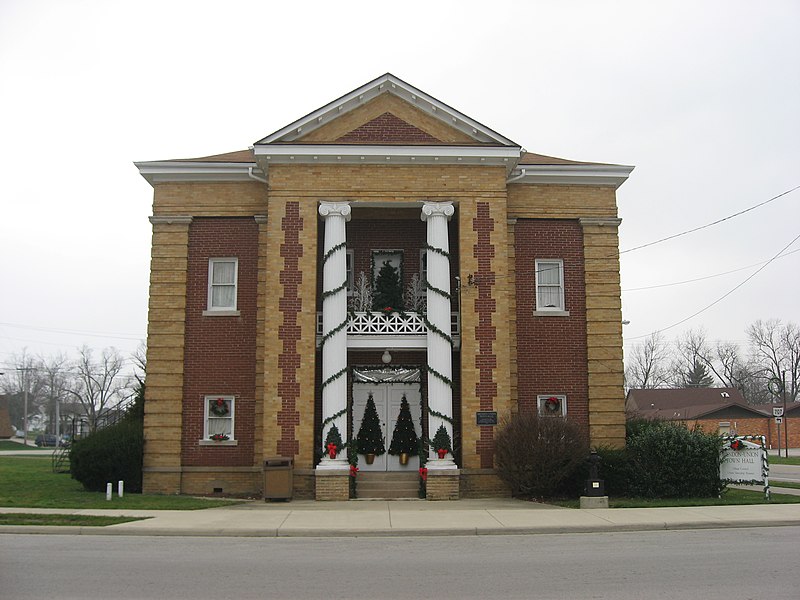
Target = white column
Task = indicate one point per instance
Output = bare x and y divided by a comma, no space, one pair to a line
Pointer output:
440,350
334,313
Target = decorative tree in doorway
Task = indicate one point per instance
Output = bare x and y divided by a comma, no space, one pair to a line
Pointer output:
370,438
388,291
404,438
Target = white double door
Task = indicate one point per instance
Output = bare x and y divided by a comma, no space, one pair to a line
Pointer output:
387,398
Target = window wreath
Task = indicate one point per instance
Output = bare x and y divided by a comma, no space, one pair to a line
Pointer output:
219,407
552,404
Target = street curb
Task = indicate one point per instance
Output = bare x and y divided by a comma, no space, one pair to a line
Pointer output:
328,533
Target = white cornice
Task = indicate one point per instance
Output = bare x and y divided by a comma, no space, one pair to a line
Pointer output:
386,84
175,171
386,155
603,175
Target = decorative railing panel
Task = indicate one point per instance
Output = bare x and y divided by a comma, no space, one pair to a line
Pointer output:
396,323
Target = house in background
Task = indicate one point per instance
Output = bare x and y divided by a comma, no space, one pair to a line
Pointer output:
714,409
383,247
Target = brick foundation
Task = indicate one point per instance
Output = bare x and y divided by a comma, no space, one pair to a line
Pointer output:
443,484
482,483
332,485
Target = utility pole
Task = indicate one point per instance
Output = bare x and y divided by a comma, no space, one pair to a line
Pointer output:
25,402
786,422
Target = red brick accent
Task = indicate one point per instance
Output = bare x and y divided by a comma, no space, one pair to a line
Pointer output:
485,332
219,356
387,129
290,306
551,350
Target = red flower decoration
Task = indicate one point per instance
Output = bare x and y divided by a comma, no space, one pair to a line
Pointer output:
423,472
220,402
353,470
442,452
737,445
332,450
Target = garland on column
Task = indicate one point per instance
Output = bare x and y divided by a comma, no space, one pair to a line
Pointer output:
327,336
433,288
436,330
444,253
439,376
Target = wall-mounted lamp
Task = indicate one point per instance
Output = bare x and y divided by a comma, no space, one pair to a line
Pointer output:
386,358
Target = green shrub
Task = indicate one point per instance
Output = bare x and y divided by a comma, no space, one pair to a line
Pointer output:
539,457
667,460
109,455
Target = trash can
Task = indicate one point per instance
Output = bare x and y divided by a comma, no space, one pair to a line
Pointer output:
278,478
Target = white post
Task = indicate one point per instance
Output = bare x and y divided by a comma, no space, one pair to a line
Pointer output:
108,491
120,488
334,315
440,349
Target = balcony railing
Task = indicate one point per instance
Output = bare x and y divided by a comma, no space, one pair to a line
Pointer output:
407,329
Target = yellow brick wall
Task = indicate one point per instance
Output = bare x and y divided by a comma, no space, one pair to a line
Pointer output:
560,201
165,342
223,199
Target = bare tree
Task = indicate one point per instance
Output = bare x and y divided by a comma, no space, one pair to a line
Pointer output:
776,349
648,364
98,385
53,371
691,367
23,376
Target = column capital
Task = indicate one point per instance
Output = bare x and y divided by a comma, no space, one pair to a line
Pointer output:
437,209
334,209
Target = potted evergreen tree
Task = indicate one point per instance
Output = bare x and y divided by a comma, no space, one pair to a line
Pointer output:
370,438
441,442
388,296
404,438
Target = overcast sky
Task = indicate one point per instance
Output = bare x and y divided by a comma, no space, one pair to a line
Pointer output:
702,97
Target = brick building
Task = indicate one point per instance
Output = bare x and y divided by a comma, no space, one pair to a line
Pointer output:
722,410
271,267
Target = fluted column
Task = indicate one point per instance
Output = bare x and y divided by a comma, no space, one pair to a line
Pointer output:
440,341
334,328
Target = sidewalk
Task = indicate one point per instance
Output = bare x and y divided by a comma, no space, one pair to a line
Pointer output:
415,518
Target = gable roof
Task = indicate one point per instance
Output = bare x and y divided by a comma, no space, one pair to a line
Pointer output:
688,403
386,84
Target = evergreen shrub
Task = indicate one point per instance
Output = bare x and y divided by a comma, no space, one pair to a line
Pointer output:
538,457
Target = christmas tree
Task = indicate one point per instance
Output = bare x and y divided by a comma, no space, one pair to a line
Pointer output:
369,438
388,291
404,438
441,441
333,441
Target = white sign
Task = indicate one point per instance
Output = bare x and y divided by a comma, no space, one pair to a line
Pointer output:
744,465
779,420
777,411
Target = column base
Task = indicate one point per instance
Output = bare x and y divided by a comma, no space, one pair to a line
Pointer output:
438,464
332,484
333,464
442,484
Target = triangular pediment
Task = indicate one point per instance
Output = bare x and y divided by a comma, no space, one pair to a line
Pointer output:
410,109
387,129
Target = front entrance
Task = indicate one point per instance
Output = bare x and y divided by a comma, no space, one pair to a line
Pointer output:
387,398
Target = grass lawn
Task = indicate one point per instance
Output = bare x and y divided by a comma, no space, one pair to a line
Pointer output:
730,497
784,484
9,445
782,460
28,481
74,520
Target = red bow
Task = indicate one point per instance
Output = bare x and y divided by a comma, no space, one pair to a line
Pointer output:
353,470
332,450
423,472
442,452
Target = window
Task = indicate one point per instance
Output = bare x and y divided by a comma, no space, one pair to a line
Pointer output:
552,405
222,282
550,285
349,272
219,414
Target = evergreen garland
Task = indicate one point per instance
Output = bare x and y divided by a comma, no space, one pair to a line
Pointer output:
404,438
439,376
436,330
444,253
433,288
369,438
333,378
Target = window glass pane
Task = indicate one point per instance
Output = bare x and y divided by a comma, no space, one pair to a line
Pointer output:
219,425
549,297
549,273
222,296
224,272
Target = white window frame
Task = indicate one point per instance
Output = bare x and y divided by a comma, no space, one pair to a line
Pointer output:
544,412
349,267
560,310
222,310
206,440
423,271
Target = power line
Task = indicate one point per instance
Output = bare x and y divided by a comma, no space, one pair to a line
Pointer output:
122,336
717,222
721,298
661,285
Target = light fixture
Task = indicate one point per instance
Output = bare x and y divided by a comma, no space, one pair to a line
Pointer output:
386,358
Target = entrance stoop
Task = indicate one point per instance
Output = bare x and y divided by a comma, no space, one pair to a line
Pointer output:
389,485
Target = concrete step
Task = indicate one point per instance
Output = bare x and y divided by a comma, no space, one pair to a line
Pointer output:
388,485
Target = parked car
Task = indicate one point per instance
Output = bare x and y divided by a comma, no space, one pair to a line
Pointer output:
46,439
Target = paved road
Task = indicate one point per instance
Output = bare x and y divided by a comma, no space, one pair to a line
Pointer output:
708,564
784,473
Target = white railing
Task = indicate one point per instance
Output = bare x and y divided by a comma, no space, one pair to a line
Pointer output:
396,323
